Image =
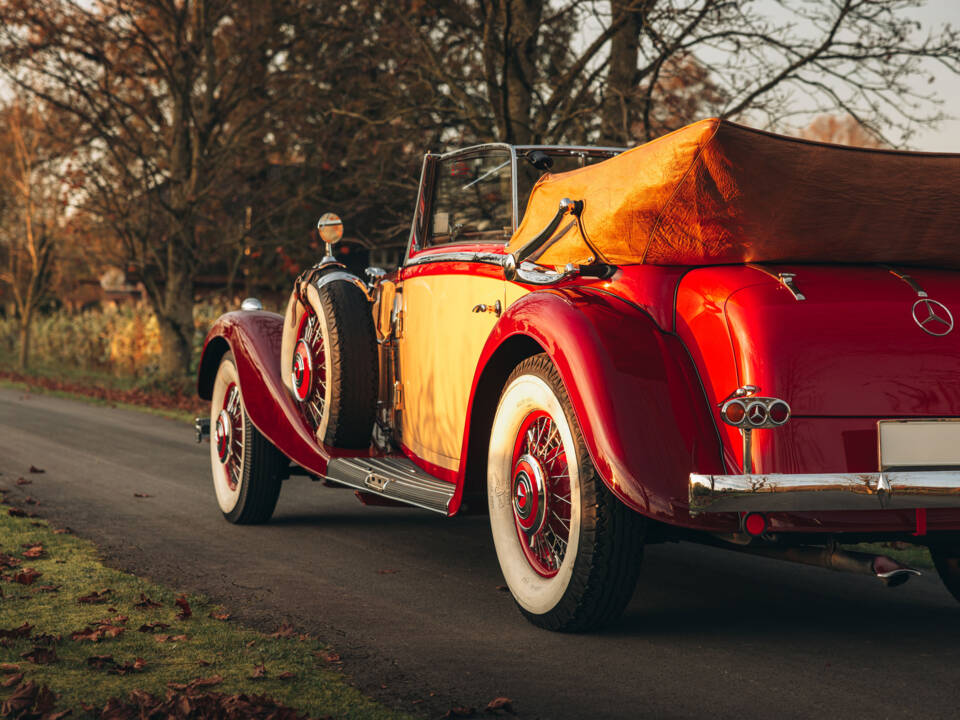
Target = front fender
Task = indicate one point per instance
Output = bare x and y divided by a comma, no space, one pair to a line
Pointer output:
255,339
635,393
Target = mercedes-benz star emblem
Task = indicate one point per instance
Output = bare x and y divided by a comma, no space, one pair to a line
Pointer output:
933,317
757,414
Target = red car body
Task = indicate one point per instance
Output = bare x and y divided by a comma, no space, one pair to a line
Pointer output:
649,354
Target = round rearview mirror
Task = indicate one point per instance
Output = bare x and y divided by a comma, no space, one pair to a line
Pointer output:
331,228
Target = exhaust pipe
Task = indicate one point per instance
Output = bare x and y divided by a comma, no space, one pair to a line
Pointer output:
882,567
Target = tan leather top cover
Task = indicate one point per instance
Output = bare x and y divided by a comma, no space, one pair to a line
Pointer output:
715,192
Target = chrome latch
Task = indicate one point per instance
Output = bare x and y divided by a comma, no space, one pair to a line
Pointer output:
496,308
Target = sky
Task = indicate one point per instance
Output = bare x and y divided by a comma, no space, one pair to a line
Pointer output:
945,138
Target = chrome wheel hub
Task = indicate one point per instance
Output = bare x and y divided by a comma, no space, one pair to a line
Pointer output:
223,436
529,495
302,370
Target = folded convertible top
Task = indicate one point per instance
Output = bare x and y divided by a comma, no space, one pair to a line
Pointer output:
715,192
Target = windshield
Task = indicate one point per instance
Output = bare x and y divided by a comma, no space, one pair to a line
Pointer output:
472,202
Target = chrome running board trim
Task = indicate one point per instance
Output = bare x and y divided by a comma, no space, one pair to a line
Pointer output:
396,478
828,491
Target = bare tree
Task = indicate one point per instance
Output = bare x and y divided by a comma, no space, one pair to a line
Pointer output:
170,100
591,69
32,215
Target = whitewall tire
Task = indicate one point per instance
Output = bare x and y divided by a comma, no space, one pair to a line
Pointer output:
570,552
246,466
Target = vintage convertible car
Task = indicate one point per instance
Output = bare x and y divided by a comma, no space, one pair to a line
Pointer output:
723,336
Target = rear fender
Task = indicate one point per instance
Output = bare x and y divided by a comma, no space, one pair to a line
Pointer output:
633,388
255,339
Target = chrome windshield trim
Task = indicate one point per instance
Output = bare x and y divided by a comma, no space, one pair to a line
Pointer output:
483,258
825,492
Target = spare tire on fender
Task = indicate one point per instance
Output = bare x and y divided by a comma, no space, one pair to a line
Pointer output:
329,358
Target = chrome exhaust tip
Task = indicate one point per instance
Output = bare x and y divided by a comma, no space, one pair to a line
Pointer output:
892,573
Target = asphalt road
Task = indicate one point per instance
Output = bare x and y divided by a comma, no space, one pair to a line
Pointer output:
707,634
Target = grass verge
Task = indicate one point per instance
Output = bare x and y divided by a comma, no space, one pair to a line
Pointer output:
175,400
88,633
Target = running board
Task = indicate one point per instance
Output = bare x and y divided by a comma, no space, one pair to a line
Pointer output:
393,477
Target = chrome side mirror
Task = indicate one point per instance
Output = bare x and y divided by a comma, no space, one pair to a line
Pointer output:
330,227
510,267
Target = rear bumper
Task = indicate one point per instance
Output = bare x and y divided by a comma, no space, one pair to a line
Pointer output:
833,491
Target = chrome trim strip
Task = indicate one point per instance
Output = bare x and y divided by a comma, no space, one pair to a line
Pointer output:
344,276
914,285
828,491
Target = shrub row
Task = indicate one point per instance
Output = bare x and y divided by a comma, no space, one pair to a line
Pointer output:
122,340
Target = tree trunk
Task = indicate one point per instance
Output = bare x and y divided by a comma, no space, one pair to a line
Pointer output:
23,359
619,108
175,315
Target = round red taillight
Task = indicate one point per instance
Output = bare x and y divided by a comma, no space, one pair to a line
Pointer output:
733,412
779,412
755,524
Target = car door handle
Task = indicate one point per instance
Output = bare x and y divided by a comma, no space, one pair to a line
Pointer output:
496,308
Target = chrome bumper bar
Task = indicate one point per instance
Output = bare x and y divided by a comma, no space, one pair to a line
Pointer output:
840,491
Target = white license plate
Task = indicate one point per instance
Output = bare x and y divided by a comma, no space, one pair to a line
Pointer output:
919,443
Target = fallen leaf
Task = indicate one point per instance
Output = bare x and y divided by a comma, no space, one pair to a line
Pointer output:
8,561
46,639
286,675
216,615
500,703
34,551
23,481
203,663
142,495
152,627
62,531
100,661
16,512
250,644
196,683
12,680
259,671
36,470
328,656
502,588
98,633
106,662
460,712
27,576
169,638
31,701
96,597
118,620
7,668
185,611
40,655
146,603
17,632
32,501
47,588
285,631
386,572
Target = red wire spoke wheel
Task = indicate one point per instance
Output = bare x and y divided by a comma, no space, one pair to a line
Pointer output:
228,435
541,493
309,372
